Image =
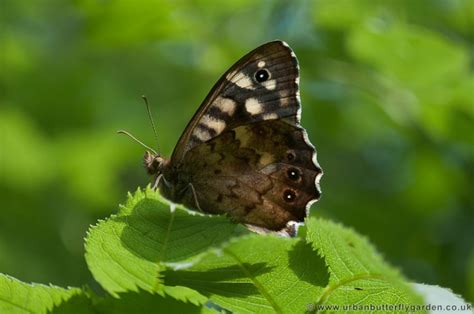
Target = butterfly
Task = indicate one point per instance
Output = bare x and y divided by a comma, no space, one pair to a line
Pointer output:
244,153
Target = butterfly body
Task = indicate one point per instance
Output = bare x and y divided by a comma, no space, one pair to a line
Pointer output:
244,153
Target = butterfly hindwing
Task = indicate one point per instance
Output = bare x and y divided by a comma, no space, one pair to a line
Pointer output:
263,85
260,174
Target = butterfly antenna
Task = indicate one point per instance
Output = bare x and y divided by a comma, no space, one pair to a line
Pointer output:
150,116
137,140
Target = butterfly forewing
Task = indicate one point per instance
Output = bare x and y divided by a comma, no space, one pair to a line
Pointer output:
263,85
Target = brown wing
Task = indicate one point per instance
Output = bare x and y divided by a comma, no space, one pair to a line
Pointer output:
263,85
263,174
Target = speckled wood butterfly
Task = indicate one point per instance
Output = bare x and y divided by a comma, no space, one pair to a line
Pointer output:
244,153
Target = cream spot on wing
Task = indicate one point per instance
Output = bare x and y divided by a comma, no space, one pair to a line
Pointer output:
270,116
230,75
284,99
253,106
243,135
242,80
201,134
261,64
213,123
266,159
225,105
271,84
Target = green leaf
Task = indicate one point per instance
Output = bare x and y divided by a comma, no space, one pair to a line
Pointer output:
257,274
141,302
145,303
166,250
358,274
78,304
185,294
19,297
127,251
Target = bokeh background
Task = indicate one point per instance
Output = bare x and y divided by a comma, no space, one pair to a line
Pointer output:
388,99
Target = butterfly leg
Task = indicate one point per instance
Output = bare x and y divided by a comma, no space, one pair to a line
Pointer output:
195,197
157,182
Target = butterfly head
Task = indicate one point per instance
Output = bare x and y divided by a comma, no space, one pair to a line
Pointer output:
154,163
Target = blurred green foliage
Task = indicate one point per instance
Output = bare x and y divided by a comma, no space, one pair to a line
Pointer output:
388,99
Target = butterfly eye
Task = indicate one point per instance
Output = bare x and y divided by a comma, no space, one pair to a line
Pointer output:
262,75
289,196
293,174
